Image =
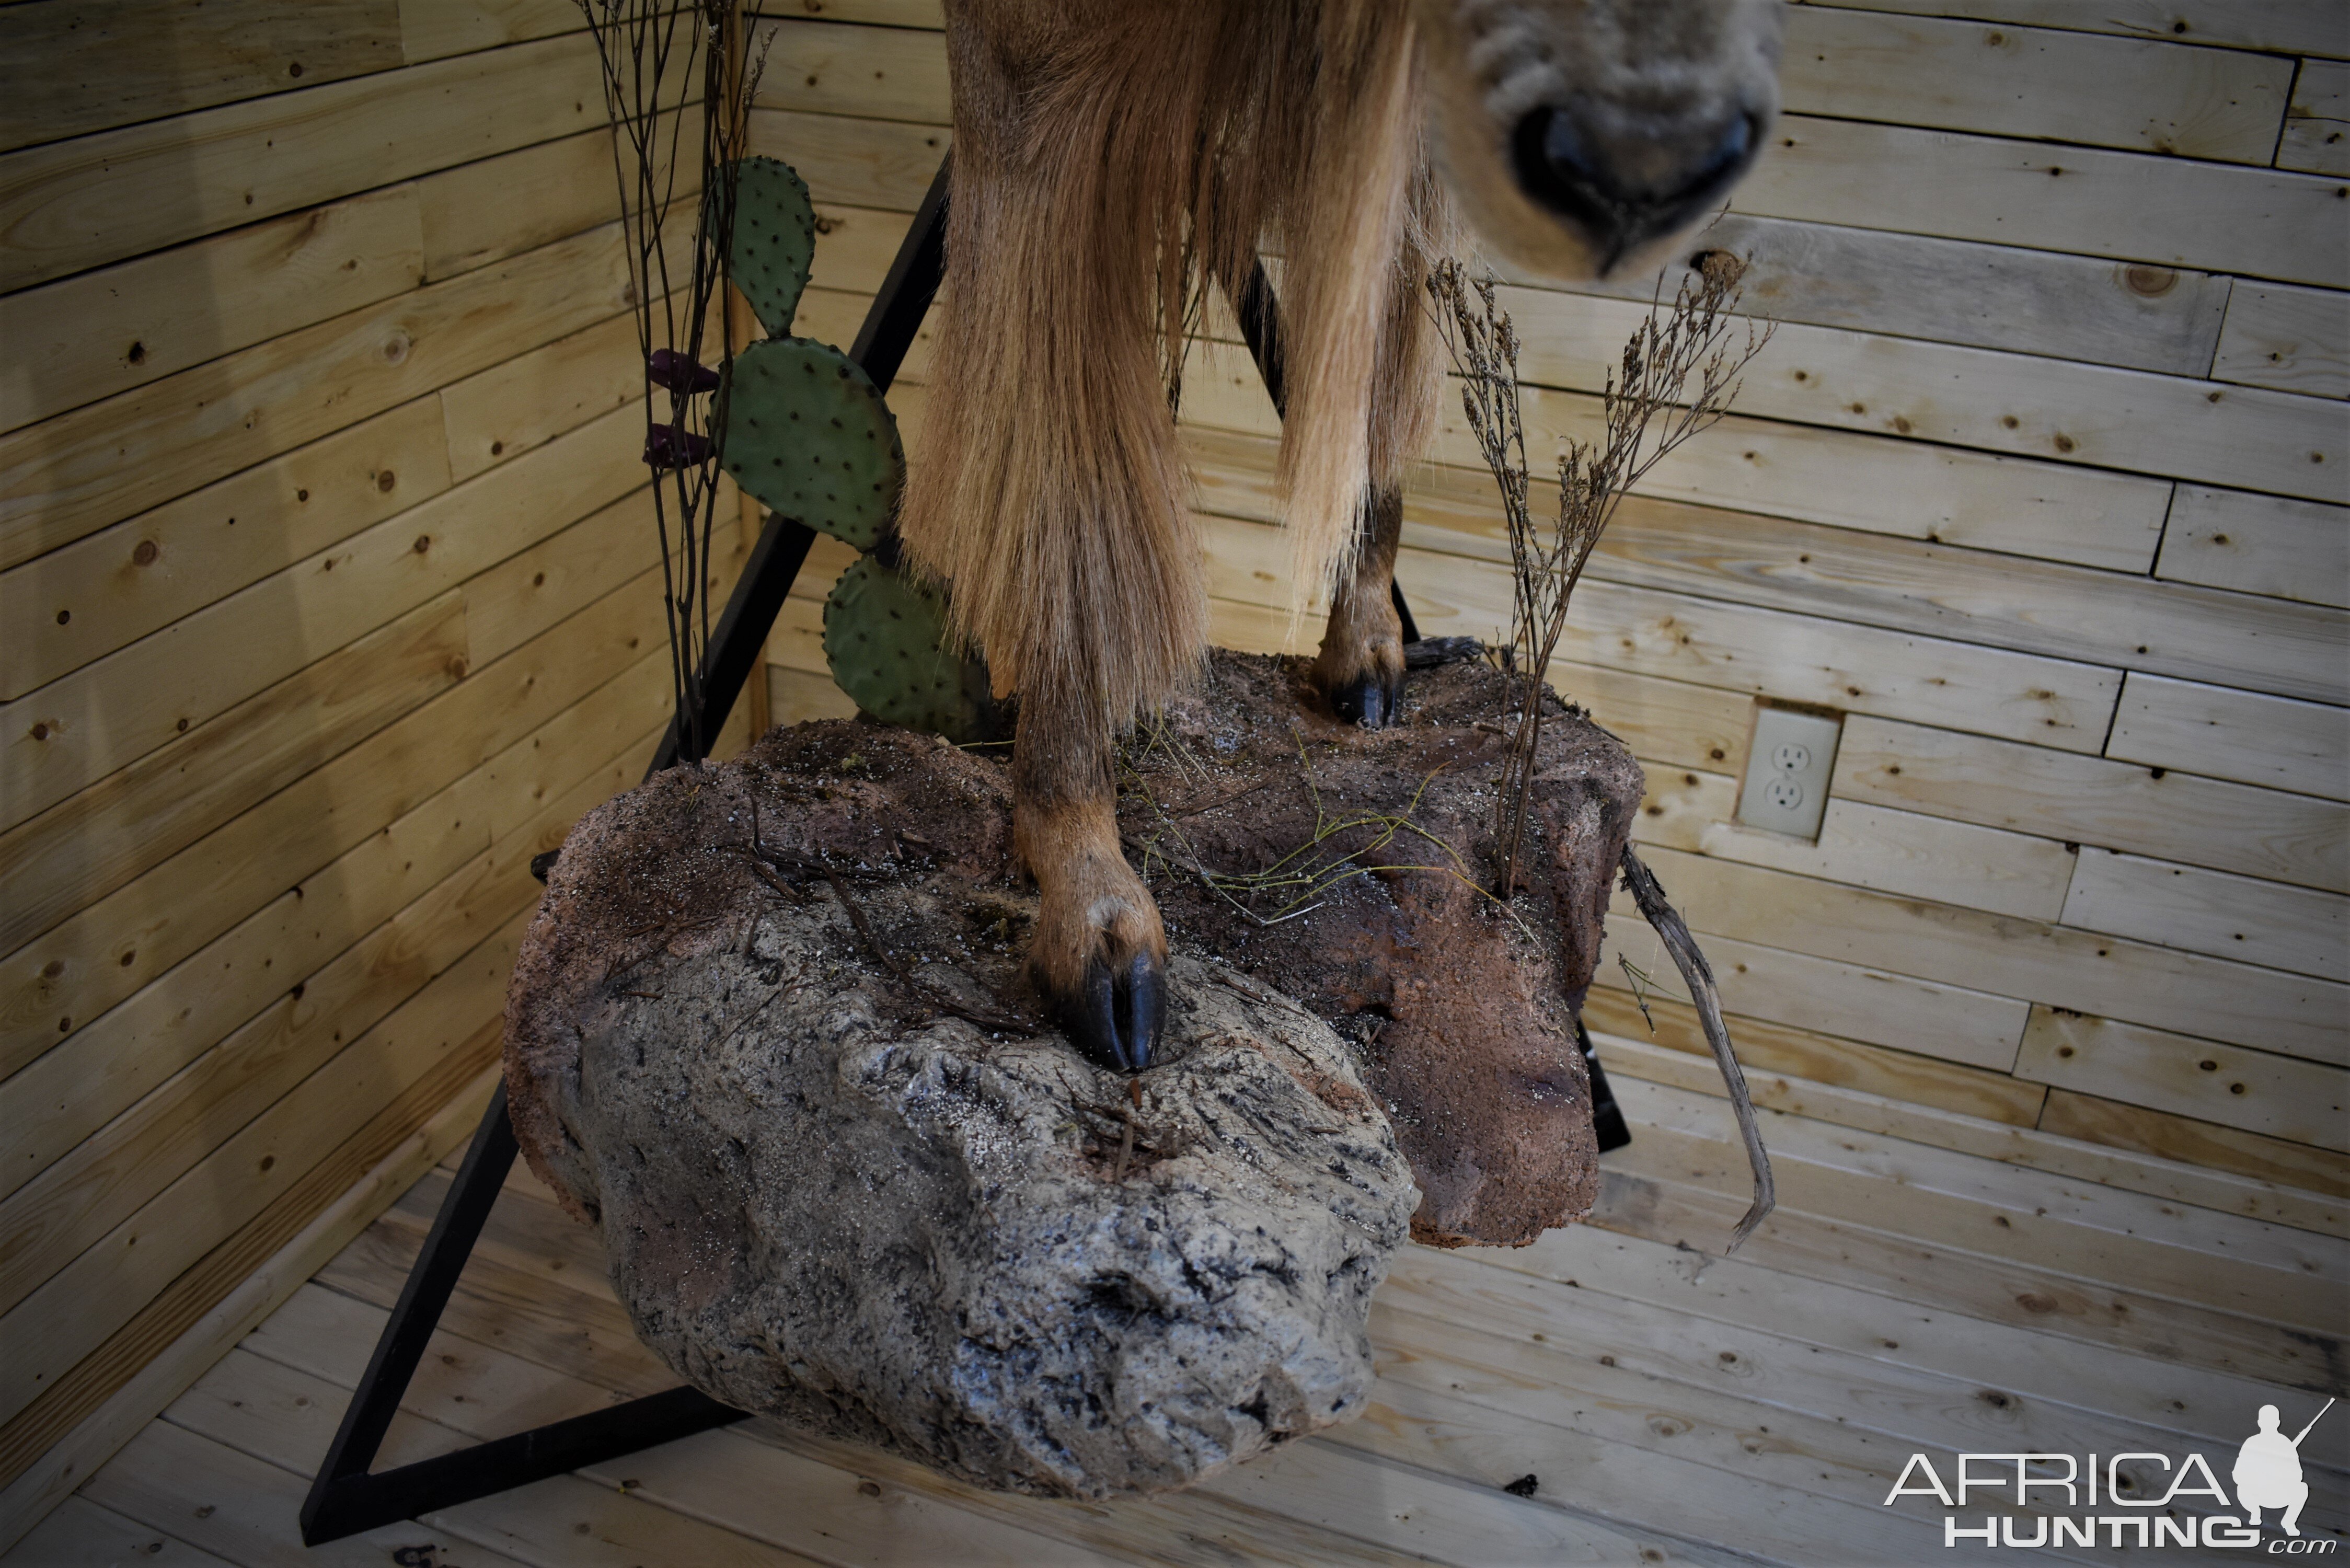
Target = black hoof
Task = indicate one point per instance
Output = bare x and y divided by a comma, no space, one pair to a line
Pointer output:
1374,701
1115,1019
1430,652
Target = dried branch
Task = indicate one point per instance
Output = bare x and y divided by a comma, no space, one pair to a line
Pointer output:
655,53
1677,377
1674,932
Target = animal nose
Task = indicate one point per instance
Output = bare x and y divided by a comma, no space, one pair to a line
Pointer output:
1626,189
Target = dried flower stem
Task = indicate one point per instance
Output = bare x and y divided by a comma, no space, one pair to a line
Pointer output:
1677,377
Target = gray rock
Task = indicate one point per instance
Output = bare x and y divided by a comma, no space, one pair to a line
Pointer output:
827,1197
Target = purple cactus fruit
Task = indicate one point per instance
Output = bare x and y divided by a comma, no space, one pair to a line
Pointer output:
679,373
666,446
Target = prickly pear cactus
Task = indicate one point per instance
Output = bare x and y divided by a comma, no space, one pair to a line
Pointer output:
775,240
884,635
808,434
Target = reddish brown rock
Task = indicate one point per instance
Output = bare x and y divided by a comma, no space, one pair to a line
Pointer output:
1464,1012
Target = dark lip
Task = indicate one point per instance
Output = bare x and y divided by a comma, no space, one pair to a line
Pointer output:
1619,223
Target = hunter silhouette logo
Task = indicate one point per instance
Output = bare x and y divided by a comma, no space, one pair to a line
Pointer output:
2068,1500
2267,1471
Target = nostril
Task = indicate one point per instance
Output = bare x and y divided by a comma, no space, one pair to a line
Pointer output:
1625,191
1555,168
1724,164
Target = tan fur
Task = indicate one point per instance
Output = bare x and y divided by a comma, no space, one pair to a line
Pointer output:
1050,491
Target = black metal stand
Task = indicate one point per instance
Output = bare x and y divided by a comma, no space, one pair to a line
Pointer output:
346,1498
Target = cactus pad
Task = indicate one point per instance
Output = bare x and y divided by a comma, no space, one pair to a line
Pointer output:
808,434
885,638
775,240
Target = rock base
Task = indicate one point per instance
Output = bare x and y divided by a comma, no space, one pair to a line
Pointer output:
770,1032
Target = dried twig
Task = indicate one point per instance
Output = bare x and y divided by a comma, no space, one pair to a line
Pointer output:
1674,932
1124,1144
657,56
1641,983
1000,1023
1314,870
1650,406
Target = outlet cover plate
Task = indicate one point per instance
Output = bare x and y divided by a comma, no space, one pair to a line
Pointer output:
1788,771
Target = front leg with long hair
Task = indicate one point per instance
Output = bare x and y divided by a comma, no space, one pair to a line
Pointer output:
1048,486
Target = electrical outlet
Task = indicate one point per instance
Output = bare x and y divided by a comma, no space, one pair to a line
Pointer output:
1788,771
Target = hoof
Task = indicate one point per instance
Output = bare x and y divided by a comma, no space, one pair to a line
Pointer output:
1431,651
1374,700
1098,954
1114,1015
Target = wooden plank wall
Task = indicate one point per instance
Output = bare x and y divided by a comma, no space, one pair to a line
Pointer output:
2041,484
329,598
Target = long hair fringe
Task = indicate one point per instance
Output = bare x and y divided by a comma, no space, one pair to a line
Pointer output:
1111,160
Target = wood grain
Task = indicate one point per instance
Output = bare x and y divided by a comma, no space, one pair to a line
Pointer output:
1906,852
157,1321
2278,27
2128,206
1712,642
93,842
2231,734
2053,409
71,66
108,714
1900,1115
2317,124
70,476
2141,318
1789,1052
117,1420
75,1311
2282,837
2297,929
119,943
2258,545
1947,1022
97,199
2295,339
432,29
109,589
2108,976
2097,1120
249,1510
89,336
2042,84
2256,1091
240,987
46,1226
501,206
875,164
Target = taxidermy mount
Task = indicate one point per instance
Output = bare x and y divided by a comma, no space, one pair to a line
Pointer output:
1115,158
1112,160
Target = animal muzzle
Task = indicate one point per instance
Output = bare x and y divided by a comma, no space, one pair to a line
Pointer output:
1626,185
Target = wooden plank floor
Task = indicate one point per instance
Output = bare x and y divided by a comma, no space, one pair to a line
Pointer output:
1674,1405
